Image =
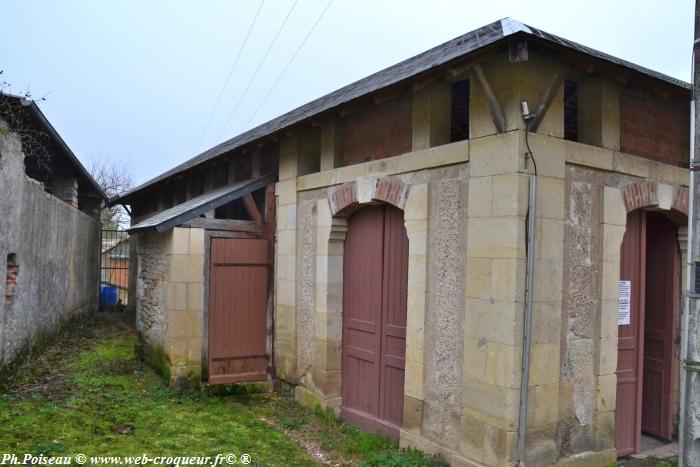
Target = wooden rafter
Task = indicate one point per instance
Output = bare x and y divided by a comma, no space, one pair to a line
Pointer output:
252,208
499,118
547,97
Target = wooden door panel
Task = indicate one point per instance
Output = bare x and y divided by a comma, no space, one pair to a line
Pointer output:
395,289
238,292
661,298
630,345
374,319
362,297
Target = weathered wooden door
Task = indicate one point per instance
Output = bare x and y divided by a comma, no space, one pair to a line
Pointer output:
238,291
629,343
662,254
374,319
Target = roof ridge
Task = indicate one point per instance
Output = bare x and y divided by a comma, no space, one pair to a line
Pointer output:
439,55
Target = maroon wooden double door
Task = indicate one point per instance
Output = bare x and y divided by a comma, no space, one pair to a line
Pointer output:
645,361
375,281
238,293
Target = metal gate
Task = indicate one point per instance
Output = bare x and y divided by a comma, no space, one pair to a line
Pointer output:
114,269
375,288
238,301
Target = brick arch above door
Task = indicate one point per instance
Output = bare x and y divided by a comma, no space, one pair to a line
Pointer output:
331,230
651,194
616,204
390,190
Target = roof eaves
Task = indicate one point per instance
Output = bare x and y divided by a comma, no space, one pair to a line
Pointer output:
440,55
67,150
36,111
201,204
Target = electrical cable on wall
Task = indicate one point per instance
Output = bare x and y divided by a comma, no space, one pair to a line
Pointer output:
534,166
530,230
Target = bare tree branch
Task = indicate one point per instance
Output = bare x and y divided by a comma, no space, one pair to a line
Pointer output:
114,178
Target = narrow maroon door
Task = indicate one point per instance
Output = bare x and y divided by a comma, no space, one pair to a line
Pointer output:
374,319
395,294
661,297
238,310
629,344
362,302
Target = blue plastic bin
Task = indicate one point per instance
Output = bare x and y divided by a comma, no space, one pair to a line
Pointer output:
109,295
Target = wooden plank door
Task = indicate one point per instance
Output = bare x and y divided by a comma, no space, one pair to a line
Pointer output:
630,345
238,291
374,319
662,254
362,301
395,294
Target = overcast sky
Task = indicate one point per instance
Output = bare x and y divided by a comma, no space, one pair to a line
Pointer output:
136,81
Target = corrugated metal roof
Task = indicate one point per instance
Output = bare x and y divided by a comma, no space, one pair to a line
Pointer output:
197,206
440,55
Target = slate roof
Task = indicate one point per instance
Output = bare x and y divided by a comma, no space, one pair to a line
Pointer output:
197,206
40,120
437,56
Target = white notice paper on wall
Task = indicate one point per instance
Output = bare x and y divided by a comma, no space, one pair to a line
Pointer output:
623,306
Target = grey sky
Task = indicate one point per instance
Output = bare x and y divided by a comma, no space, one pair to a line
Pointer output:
137,80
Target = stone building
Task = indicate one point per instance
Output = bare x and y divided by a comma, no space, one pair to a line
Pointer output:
49,232
394,290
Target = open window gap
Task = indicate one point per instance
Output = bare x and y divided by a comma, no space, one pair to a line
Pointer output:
571,110
459,111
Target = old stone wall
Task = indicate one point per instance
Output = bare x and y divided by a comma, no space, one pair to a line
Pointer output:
53,251
444,317
579,321
170,301
594,228
436,277
152,264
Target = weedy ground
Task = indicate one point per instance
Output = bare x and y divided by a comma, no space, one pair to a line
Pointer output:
89,394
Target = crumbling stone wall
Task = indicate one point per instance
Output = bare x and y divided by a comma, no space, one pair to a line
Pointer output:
151,283
444,321
580,312
54,251
170,302
587,391
306,290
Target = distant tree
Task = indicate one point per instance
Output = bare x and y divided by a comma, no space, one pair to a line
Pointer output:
115,178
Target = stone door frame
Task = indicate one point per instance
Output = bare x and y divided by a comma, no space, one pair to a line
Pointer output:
332,227
616,204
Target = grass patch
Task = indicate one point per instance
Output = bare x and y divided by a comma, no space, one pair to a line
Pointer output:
106,402
90,394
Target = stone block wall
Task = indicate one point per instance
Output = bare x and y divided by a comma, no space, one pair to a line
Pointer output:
170,301
50,256
466,226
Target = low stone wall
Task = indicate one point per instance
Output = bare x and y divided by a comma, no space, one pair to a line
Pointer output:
50,257
170,302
